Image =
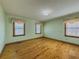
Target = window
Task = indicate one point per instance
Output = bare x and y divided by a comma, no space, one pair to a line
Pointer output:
38,28
72,28
18,28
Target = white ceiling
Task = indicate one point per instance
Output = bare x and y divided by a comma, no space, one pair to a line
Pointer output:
34,8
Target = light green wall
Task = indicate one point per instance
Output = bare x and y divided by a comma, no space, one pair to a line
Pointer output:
2,29
55,29
30,30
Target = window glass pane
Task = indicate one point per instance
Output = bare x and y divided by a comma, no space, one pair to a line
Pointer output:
38,27
72,28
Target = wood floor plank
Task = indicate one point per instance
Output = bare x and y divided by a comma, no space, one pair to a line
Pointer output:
41,48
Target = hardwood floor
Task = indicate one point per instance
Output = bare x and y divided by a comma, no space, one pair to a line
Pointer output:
42,48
